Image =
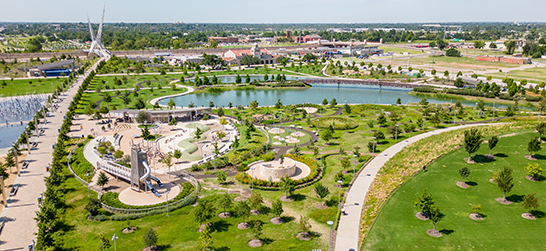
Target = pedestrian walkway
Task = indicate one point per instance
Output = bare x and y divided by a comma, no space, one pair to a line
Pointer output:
20,227
349,224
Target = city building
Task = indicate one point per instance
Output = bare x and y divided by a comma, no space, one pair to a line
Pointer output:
225,40
235,56
306,38
503,59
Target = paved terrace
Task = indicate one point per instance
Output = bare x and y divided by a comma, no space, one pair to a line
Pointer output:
20,227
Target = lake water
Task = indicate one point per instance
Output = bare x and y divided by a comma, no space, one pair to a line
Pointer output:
343,93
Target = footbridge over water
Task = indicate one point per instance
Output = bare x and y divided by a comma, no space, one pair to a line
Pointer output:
371,82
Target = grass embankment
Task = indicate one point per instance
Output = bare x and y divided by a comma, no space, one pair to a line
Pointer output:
30,86
399,169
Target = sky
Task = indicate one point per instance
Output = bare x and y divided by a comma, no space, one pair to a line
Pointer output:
274,11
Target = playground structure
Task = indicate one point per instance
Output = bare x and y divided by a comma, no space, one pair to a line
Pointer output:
139,175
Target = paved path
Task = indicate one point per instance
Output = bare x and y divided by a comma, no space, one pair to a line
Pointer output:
349,224
19,214
190,89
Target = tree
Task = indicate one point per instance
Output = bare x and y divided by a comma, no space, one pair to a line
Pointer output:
435,216
150,237
452,52
177,154
432,44
472,140
237,79
382,120
321,190
492,45
205,238
139,104
541,129
304,224
249,60
225,201
398,101
530,202
118,154
333,103
493,142
287,185
253,105
464,172
243,210
459,83
505,181
534,170
93,206
346,109
197,134
103,180
167,160
442,44
424,202
276,208
345,163
255,200
204,212
379,135
171,103
325,101
510,46
534,145
326,135
278,105
105,243
257,229
221,176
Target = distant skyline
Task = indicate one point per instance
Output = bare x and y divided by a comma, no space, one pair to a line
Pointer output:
278,11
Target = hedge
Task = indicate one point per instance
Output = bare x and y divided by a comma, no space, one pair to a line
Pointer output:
187,201
111,198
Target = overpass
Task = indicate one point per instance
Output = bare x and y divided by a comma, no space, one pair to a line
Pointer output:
371,82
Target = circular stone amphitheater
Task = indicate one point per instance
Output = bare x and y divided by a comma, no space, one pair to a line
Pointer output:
277,169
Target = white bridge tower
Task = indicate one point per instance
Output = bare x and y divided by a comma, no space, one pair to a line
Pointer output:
96,45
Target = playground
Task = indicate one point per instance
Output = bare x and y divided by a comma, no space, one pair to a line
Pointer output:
146,174
277,169
288,136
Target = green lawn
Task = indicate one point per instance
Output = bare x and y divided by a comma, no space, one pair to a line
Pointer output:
30,86
503,228
535,74
177,232
398,50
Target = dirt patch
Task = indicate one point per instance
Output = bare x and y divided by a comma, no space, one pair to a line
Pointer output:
475,216
321,206
489,156
255,212
507,135
242,225
503,201
531,178
240,198
128,230
530,157
286,198
304,236
195,204
434,233
255,243
276,220
224,215
202,227
150,248
462,184
421,216
528,216
470,161
492,181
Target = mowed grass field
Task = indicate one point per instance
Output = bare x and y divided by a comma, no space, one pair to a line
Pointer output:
503,228
29,86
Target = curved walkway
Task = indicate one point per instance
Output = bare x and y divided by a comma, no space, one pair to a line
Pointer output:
190,89
349,224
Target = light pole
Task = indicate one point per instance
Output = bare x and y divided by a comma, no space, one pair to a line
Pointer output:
539,112
339,195
396,135
493,111
330,223
87,175
455,116
373,150
354,164
476,109
167,200
424,122
114,238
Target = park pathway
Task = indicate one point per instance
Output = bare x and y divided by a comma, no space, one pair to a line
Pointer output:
348,232
18,215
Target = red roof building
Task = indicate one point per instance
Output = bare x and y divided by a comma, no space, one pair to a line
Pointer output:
235,56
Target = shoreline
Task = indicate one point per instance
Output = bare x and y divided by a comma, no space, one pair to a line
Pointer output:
468,98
